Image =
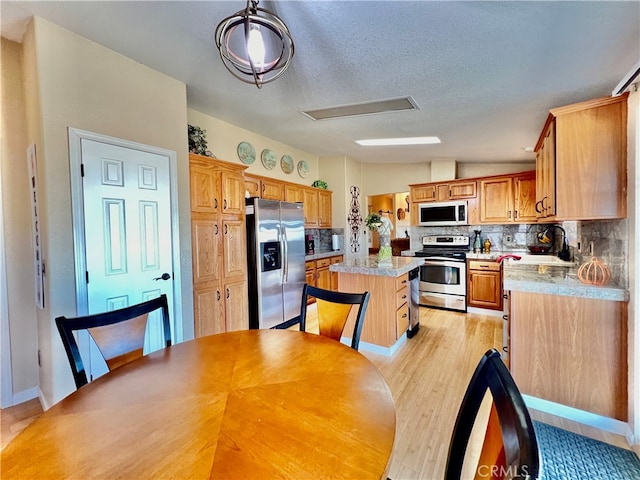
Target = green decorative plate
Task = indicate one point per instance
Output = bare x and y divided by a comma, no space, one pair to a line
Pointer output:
303,168
286,163
246,153
269,159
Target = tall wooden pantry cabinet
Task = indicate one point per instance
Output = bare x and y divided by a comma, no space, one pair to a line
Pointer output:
218,240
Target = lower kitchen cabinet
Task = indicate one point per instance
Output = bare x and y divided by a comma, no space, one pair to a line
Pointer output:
387,316
317,273
334,275
571,351
484,284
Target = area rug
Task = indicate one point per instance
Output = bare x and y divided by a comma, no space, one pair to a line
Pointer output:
566,455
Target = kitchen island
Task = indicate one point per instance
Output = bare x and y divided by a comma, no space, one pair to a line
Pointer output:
568,343
387,317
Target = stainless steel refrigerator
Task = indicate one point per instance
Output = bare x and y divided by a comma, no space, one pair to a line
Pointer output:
275,260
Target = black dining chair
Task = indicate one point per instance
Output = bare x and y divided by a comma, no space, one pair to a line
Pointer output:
510,448
333,312
118,334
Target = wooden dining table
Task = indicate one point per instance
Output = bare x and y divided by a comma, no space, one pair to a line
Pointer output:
256,404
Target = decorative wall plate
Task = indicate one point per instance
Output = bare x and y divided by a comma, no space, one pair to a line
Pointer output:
269,159
303,168
286,163
246,153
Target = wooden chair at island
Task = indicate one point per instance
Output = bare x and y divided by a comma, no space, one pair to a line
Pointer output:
333,312
510,448
118,334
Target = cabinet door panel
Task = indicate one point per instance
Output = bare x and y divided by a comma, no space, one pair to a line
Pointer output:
495,200
208,311
324,209
310,199
204,191
205,236
293,193
236,306
233,187
252,185
234,241
323,278
525,199
272,190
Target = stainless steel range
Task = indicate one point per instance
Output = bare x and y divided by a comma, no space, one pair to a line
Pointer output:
443,276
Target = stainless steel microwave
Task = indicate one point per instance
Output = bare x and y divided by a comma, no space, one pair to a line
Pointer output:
438,214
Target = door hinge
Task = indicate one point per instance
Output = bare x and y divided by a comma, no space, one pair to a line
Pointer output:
82,169
86,276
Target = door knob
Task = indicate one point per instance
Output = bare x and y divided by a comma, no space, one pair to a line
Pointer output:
164,276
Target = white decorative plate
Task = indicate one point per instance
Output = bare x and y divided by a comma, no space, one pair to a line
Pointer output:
269,159
303,168
246,153
286,163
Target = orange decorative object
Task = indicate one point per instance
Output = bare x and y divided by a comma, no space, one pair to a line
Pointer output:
594,272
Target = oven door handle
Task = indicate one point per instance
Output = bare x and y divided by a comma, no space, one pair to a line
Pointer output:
440,261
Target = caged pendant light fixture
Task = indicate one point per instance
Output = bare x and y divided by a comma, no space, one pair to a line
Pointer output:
255,45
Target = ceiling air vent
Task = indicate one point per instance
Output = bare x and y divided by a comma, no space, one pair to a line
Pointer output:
367,108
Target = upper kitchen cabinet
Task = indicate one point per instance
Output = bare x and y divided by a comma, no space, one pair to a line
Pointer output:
293,192
442,192
324,209
264,187
508,198
582,161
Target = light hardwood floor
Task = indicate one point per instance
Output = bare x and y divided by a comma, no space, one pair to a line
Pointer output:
427,376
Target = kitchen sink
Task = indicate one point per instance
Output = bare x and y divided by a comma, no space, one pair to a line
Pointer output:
528,259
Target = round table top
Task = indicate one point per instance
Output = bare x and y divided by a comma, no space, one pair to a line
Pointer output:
251,404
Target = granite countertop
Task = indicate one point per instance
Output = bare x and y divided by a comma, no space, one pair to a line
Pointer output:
328,253
556,280
370,266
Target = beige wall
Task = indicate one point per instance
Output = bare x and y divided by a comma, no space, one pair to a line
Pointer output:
472,170
392,178
223,139
72,82
17,225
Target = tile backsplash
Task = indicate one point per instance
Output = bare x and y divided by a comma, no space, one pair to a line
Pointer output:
605,239
322,238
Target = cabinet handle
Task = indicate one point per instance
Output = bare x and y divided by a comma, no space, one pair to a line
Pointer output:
226,229
218,292
505,317
228,293
404,315
404,296
538,205
509,214
224,207
515,214
215,203
217,229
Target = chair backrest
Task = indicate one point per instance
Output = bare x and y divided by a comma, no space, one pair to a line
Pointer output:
333,311
518,455
118,334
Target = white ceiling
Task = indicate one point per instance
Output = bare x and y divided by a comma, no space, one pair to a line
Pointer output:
484,74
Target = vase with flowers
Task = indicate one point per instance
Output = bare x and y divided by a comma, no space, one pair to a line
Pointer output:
383,226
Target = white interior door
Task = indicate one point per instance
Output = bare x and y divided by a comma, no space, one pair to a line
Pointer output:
127,229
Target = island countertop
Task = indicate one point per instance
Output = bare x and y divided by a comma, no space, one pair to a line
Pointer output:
370,266
557,280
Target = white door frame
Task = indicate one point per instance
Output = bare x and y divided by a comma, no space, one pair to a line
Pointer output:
77,207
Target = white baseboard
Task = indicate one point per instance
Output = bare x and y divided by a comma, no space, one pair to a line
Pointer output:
485,311
24,396
586,418
380,350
